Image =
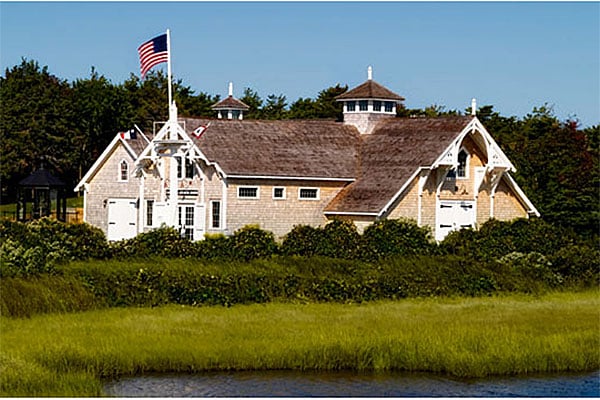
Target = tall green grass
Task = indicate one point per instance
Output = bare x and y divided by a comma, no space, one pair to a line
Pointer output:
467,337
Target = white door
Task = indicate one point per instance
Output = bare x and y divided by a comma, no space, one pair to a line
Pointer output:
453,215
191,221
122,219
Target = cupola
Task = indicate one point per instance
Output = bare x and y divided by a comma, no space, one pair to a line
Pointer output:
368,103
230,107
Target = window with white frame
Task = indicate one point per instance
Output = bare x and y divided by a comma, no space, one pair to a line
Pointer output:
185,169
248,192
149,212
124,171
377,105
351,106
279,193
389,106
215,214
363,105
308,194
462,170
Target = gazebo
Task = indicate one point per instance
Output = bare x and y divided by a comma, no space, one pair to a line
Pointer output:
43,192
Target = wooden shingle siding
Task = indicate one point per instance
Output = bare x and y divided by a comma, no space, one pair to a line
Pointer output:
506,204
105,184
278,216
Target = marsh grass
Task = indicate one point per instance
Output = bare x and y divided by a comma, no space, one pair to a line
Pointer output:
69,354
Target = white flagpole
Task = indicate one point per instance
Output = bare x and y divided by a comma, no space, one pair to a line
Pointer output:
172,114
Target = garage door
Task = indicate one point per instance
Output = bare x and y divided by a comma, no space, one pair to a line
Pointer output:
453,215
122,219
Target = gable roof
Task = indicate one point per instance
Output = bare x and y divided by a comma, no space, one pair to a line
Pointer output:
287,149
370,90
391,156
134,147
41,178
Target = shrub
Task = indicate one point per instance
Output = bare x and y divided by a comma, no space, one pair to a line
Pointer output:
390,237
339,239
302,240
251,242
579,264
215,246
160,242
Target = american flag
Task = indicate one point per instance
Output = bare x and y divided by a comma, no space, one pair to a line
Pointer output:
153,52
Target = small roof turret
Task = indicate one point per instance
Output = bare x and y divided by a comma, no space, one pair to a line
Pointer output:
230,107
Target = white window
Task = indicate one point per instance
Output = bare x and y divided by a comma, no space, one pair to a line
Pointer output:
462,170
248,192
308,194
149,212
215,214
124,171
279,193
186,170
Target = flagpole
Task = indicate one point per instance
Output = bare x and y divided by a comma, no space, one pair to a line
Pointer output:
172,114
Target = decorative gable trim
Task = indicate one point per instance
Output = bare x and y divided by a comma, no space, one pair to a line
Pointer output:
513,184
102,159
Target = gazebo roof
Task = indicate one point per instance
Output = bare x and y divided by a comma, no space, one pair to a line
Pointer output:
41,178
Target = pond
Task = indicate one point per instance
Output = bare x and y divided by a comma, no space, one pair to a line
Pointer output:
350,384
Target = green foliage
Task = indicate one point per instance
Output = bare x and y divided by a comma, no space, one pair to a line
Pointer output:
579,264
37,247
251,242
386,238
160,242
302,240
496,238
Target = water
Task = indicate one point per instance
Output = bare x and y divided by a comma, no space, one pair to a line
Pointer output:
347,384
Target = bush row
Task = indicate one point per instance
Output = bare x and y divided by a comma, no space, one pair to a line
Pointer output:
160,281
38,247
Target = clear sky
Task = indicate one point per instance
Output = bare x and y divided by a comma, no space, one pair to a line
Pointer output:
512,55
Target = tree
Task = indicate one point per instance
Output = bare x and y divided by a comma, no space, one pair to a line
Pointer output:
275,107
252,100
36,123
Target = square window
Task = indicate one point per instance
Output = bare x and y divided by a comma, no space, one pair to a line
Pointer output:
351,106
377,105
389,106
363,105
279,193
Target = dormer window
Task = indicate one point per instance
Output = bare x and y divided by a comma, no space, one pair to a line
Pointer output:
124,171
463,163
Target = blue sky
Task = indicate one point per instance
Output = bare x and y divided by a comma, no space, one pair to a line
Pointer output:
515,56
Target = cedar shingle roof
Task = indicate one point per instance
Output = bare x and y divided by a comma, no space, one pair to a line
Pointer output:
230,103
391,155
370,90
290,148
139,143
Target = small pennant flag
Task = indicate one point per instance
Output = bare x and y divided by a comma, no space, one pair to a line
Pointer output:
200,130
153,52
130,134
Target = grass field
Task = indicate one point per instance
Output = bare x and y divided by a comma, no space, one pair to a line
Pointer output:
69,354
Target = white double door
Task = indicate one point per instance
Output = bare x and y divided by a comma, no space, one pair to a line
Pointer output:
122,219
191,220
453,215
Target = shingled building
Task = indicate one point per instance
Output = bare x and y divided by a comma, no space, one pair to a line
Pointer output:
446,173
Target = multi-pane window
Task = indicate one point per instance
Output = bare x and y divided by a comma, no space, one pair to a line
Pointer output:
124,171
215,214
351,106
186,215
363,105
248,192
461,170
377,105
187,168
308,194
279,193
389,106
149,212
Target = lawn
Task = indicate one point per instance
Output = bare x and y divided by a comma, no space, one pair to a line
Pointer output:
70,354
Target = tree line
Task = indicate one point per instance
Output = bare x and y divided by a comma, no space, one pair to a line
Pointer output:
65,126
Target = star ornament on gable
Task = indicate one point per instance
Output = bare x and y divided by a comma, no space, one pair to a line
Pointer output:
200,130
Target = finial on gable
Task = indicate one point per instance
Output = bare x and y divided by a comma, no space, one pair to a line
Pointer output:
230,88
370,73
473,106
